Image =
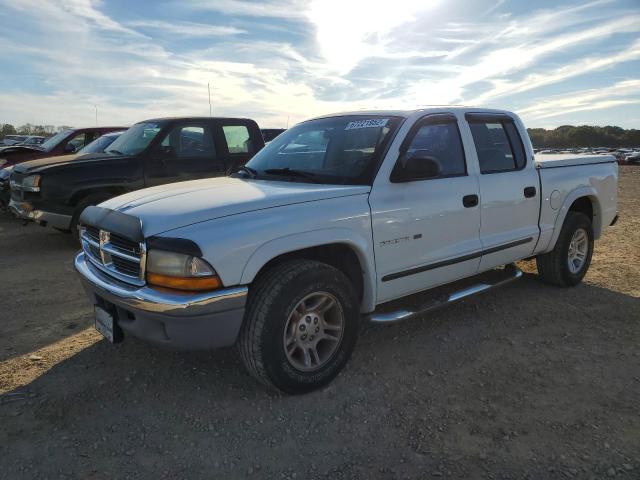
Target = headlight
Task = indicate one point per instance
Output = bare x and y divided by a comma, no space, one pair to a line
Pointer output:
5,173
180,271
3,161
31,183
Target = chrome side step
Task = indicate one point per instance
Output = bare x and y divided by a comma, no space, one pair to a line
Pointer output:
511,273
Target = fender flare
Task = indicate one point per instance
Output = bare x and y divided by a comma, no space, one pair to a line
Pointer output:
592,195
316,238
86,190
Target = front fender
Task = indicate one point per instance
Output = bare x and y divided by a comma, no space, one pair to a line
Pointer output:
299,241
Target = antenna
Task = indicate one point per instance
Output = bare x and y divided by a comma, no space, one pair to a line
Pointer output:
209,89
287,122
96,107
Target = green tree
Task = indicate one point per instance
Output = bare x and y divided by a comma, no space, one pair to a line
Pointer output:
569,136
7,129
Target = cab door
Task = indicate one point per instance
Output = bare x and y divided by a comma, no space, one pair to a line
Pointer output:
187,152
426,231
509,190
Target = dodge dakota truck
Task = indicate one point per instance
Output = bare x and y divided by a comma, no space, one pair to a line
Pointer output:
55,191
358,217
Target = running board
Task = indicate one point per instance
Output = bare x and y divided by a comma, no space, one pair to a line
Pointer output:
507,275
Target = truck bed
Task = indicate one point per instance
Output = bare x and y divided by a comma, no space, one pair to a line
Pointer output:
569,160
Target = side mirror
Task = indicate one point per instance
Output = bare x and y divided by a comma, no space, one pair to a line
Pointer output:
418,166
70,148
166,151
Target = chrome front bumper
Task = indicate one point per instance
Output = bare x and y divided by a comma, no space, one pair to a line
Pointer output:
191,321
25,211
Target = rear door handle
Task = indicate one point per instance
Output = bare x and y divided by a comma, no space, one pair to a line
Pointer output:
470,201
530,192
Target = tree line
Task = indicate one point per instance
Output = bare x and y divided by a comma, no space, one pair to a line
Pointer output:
30,129
568,136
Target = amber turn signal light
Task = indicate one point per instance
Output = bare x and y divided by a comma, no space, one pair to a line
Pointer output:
194,284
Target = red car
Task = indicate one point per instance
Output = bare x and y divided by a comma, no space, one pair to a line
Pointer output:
63,143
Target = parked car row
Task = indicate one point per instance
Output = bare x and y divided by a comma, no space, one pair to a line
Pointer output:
9,140
623,155
367,216
54,191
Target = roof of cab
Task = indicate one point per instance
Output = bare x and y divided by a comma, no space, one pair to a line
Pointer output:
197,119
423,110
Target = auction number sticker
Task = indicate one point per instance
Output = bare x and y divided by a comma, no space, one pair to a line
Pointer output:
369,123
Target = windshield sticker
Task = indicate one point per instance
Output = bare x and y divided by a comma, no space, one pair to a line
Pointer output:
370,123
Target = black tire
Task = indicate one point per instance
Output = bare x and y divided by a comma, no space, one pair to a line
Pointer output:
553,267
84,203
271,300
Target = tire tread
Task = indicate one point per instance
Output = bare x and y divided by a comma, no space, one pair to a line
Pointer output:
552,268
262,294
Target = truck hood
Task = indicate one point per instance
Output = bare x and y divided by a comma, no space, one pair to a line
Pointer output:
6,149
176,205
35,166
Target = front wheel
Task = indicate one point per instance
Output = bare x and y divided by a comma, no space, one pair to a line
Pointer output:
567,264
300,326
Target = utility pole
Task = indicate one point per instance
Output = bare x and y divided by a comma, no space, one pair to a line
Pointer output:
209,89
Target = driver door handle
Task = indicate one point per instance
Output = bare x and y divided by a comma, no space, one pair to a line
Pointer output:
470,201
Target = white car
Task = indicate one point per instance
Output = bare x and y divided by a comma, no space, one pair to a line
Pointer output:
374,216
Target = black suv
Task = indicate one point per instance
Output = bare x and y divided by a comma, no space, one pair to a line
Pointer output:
55,191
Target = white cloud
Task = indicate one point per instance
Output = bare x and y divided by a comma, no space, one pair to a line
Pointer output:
502,88
620,93
349,31
185,29
267,8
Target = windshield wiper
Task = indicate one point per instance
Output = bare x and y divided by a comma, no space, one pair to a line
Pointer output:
252,172
117,152
288,172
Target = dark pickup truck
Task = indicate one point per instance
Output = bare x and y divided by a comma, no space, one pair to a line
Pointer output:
62,143
55,191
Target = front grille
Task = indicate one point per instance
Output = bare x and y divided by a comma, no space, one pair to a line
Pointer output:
125,245
93,233
116,255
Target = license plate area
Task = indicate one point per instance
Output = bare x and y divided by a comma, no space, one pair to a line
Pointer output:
106,323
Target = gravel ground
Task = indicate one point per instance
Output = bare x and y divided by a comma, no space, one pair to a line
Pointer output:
528,381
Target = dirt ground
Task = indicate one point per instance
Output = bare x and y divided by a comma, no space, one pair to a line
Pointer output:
528,381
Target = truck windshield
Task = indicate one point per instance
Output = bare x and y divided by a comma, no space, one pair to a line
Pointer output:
53,142
99,144
337,150
134,140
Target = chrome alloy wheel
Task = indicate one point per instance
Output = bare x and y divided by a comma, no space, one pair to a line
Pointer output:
313,331
578,250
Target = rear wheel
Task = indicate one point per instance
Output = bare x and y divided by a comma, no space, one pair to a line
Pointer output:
567,264
300,326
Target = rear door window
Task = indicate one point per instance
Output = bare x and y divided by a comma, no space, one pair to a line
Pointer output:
238,138
498,145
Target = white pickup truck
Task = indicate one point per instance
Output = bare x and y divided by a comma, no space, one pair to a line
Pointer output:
369,216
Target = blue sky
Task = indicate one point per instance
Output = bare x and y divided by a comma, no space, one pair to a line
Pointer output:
553,62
